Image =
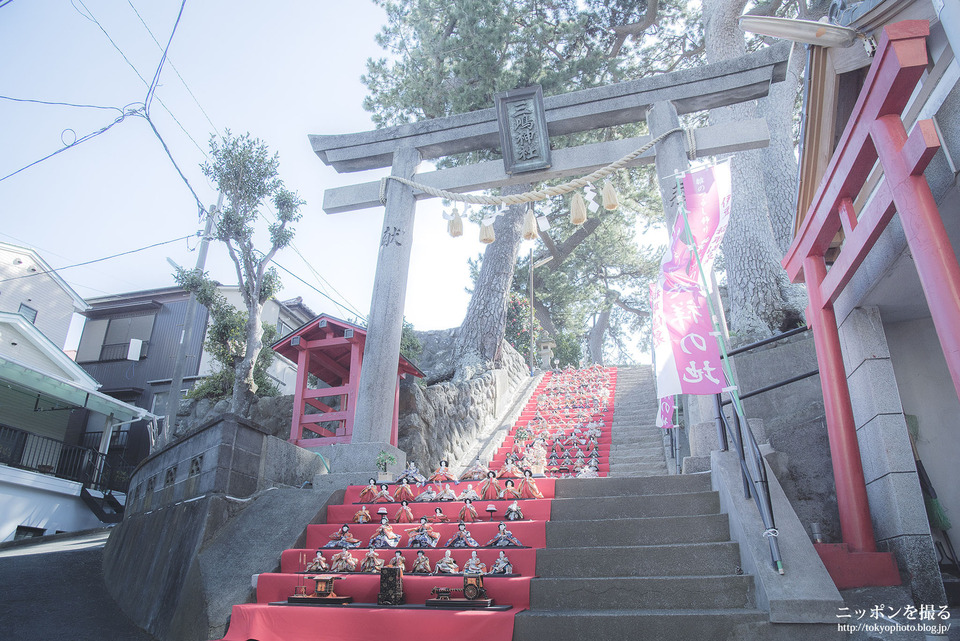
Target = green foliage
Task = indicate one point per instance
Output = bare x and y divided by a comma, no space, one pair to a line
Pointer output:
410,346
226,340
518,324
246,174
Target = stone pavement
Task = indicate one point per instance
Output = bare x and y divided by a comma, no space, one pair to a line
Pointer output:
55,590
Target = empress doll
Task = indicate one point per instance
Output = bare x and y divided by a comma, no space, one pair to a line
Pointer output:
442,474
468,513
370,491
404,492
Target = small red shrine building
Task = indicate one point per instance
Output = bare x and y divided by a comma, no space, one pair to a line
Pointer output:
332,351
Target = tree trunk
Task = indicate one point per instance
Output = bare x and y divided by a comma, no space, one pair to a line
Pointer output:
597,334
478,342
761,298
244,387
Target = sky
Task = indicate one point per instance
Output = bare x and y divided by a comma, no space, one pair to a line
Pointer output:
280,70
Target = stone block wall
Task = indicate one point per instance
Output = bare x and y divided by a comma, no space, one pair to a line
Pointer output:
443,421
893,488
228,455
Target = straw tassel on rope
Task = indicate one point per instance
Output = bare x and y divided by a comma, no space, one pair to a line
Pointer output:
455,224
578,210
486,233
529,224
610,201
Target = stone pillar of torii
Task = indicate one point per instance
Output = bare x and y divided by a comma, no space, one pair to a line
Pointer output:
657,99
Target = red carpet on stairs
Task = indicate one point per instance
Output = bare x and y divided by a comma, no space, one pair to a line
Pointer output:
562,409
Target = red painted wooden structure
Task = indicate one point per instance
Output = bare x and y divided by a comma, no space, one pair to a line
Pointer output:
331,350
874,132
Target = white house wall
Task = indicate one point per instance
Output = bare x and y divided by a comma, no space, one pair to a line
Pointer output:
54,306
41,501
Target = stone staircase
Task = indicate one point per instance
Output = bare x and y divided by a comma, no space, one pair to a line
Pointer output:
637,448
644,558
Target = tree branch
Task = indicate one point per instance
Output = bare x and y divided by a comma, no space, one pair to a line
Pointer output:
636,29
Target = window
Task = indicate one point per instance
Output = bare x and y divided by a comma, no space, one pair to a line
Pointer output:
27,532
283,329
28,312
109,339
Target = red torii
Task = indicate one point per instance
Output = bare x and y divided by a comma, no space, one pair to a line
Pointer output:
874,132
331,350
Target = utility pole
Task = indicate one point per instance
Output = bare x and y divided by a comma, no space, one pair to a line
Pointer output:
186,334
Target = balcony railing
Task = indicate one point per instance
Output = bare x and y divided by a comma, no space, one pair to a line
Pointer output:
28,451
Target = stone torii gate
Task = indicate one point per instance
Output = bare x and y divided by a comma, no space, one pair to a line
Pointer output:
658,99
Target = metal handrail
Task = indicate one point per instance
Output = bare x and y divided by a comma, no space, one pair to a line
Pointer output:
755,482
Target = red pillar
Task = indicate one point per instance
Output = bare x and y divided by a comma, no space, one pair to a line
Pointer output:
303,362
855,524
903,159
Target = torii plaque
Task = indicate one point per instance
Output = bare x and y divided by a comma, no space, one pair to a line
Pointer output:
402,148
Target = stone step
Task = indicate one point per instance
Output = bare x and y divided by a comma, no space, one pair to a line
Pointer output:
663,625
645,593
620,507
687,559
639,471
656,530
673,484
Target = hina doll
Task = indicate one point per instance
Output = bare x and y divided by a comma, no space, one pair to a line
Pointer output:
371,561
528,487
362,515
427,495
439,516
442,474
343,538
462,538
513,513
398,561
421,564
502,565
509,470
476,472
411,474
404,514
370,491
468,513
446,564
468,493
447,494
504,538
318,564
343,561
384,537
404,491
490,488
474,565
383,496
422,536
509,491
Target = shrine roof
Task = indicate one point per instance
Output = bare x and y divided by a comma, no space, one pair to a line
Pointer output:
329,341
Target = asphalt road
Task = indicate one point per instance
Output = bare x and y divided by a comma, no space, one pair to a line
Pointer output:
55,590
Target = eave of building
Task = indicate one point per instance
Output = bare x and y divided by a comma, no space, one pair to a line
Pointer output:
79,303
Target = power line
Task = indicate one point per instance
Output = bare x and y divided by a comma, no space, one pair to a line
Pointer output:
156,76
92,18
59,104
175,70
100,260
346,309
83,139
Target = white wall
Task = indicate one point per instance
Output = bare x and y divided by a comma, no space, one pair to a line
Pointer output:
54,306
41,501
927,392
